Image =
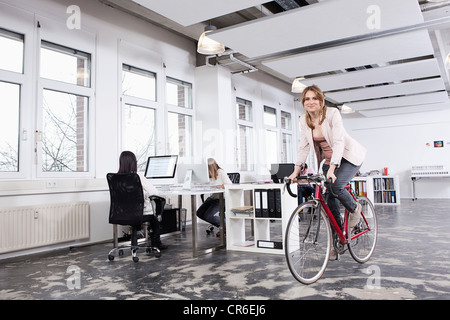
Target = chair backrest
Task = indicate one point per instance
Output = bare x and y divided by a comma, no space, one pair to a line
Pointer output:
127,199
235,177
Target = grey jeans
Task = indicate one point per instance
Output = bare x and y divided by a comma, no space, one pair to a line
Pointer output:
344,173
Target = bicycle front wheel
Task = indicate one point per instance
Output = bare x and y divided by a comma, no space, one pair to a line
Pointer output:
307,243
362,238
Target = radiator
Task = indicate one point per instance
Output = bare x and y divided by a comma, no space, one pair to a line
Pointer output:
40,225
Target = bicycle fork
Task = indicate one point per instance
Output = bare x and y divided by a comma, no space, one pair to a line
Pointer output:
316,208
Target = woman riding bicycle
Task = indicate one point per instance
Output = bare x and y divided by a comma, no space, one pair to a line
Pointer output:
322,128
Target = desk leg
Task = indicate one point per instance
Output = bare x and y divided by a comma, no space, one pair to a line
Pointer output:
222,219
196,251
194,223
115,241
414,188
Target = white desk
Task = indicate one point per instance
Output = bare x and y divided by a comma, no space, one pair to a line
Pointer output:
193,194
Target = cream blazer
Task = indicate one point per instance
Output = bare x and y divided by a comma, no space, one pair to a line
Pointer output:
341,143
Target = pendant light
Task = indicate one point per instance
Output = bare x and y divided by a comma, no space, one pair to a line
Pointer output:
297,86
207,45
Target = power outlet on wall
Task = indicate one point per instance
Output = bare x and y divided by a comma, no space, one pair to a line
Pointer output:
51,184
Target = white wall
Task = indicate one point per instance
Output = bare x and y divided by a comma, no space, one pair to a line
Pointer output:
402,141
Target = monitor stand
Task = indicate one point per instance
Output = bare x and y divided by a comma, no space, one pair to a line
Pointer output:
187,184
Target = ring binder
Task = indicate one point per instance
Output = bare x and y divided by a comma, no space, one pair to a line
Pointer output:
267,203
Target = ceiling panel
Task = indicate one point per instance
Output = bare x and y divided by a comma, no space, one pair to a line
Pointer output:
310,25
411,100
412,87
188,12
377,51
391,73
404,110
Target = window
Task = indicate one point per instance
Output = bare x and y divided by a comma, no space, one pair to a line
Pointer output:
139,113
11,55
178,93
11,59
138,83
270,116
244,109
65,73
65,64
271,141
64,134
179,117
286,137
245,151
286,122
9,127
139,132
179,127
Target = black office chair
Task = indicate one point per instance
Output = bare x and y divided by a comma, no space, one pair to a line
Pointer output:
235,177
127,208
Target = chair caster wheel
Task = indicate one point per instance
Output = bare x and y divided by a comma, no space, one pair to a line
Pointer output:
110,257
158,255
135,259
210,230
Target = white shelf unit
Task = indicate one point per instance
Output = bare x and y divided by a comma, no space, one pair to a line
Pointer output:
244,231
363,186
381,190
386,190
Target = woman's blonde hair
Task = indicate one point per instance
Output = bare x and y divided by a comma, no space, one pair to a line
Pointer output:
213,168
319,95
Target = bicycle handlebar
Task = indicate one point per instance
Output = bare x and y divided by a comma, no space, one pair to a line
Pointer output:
319,178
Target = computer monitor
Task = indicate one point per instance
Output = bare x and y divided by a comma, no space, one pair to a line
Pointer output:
161,168
280,170
192,171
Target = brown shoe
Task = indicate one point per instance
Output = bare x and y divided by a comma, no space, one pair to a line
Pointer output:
355,216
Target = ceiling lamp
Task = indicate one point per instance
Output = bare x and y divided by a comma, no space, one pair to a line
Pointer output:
207,45
297,86
346,109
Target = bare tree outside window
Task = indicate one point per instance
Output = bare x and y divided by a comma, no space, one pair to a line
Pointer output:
11,60
64,132
64,136
9,127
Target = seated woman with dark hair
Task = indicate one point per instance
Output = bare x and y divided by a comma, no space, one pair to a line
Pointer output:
128,164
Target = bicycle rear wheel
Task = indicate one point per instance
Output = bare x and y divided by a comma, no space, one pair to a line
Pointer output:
307,243
364,234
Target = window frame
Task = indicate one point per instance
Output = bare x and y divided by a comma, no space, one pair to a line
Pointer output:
22,23
190,112
84,41
248,123
138,102
290,132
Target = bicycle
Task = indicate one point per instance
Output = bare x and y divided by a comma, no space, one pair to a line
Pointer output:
308,233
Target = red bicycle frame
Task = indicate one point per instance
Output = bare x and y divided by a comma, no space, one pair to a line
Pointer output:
342,234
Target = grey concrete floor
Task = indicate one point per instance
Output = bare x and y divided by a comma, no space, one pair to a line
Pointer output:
411,261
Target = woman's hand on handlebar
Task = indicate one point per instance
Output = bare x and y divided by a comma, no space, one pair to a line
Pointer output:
330,173
296,173
293,177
